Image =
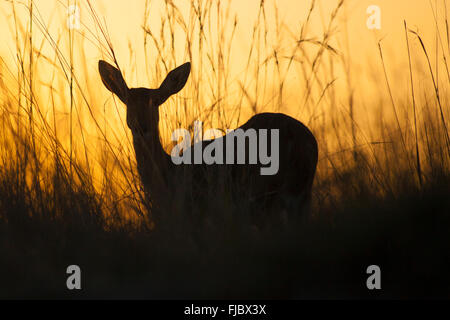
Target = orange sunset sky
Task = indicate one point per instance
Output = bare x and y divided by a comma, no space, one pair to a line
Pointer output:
350,35
124,20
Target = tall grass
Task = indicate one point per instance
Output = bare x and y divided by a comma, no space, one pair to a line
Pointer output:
69,187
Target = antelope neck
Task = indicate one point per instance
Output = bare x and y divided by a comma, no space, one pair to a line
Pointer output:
152,160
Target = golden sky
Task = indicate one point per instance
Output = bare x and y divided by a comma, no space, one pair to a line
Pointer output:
356,45
124,20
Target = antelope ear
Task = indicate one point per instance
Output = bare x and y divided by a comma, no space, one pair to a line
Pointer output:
175,81
113,80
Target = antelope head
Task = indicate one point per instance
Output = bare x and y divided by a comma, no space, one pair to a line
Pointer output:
142,103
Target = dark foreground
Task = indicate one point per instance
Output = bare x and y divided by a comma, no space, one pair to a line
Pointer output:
324,255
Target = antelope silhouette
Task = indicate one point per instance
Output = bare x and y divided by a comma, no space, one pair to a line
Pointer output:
159,175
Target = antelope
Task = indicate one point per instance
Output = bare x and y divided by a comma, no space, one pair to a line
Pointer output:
159,175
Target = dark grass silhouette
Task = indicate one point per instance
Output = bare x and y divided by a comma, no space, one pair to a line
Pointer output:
324,256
